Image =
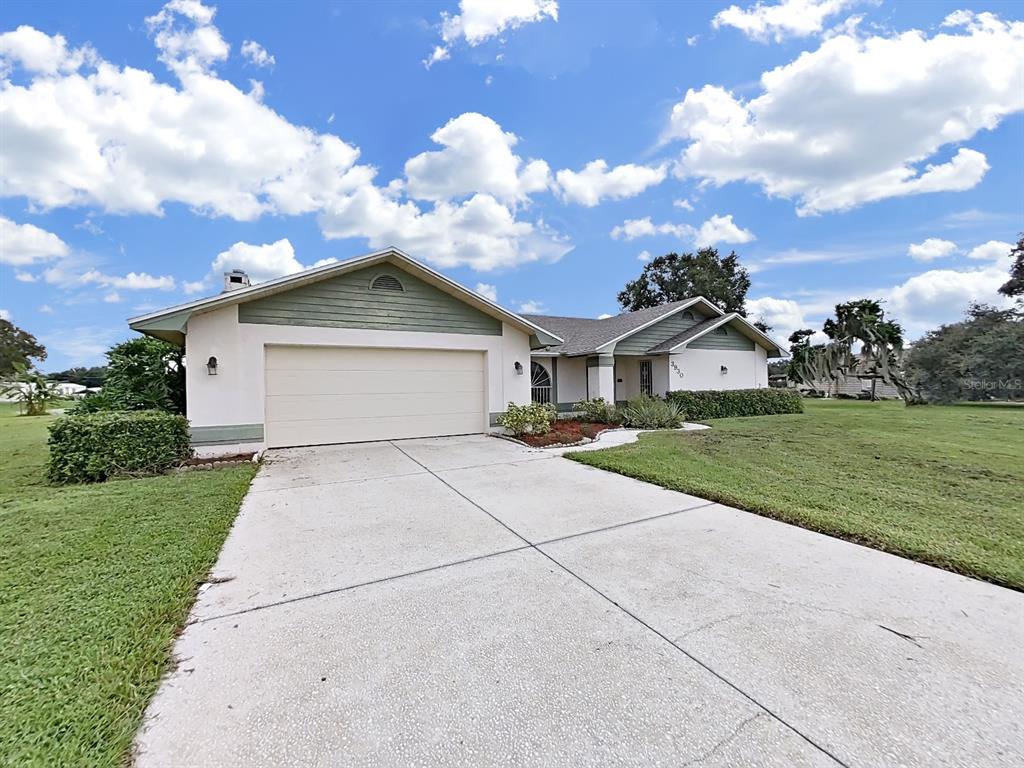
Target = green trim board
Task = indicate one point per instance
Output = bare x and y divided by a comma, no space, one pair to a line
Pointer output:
663,330
221,434
347,301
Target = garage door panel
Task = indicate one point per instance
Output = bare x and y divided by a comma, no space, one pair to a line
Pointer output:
289,407
371,359
373,382
320,432
320,395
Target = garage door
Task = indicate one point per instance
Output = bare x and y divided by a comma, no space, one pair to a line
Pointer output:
318,395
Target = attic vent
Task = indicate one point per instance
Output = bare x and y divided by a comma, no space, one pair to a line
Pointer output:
721,331
688,315
386,283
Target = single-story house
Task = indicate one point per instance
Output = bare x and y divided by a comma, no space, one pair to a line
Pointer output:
382,347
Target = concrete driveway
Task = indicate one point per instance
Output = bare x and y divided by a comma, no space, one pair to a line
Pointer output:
466,601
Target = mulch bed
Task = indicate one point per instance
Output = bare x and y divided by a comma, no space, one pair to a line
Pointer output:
566,432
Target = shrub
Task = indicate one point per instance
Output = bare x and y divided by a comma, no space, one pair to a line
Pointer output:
92,447
647,412
715,404
532,419
142,374
598,409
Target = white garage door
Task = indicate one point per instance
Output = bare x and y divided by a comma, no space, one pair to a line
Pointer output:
318,395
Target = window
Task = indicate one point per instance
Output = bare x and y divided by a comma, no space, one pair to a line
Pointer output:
646,378
540,383
722,331
386,283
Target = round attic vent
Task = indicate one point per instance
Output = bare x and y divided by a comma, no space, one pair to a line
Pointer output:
386,283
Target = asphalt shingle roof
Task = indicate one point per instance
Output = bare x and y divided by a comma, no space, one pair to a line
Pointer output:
583,335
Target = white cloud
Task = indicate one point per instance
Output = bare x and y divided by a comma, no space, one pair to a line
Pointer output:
931,249
597,182
683,203
193,286
24,244
183,31
37,52
717,229
532,307
257,54
603,316
823,130
119,139
81,346
644,256
993,250
692,40
479,232
477,158
787,18
631,229
488,291
260,262
783,315
133,281
46,309
89,226
5,314
939,296
721,229
112,298
481,20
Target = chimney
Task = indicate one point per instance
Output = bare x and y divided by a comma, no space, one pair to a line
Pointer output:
235,279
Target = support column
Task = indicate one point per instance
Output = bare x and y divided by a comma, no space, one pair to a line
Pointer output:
601,377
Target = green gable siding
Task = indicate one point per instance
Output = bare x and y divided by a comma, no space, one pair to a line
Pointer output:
347,301
641,341
732,339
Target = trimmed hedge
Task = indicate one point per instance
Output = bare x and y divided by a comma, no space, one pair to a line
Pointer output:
715,404
91,447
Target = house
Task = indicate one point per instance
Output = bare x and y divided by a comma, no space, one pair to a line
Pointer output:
689,344
383,347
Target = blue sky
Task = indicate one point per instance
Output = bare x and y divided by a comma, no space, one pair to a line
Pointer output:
534,150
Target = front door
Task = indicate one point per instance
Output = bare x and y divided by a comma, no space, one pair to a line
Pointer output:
646,378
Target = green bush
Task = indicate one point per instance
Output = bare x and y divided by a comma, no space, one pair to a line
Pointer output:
715,404
92,447
647,412
532,419
598,409
142,374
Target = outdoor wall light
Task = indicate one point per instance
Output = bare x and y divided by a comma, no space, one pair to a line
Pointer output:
725,370
211,366
519,368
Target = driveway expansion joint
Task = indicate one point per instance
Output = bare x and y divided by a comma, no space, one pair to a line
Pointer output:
764,708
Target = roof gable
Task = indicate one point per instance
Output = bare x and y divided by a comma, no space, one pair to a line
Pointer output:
171,324
699,337
379,297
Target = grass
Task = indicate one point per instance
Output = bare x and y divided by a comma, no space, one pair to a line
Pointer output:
942,485
95,583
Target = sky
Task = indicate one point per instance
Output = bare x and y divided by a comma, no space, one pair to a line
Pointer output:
536,151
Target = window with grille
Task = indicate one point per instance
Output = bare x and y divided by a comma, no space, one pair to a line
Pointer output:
540,383
646,378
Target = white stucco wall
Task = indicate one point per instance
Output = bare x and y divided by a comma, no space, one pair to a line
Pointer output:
572,379
701,369
236,394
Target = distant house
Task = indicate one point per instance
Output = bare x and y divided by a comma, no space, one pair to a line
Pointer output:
864,382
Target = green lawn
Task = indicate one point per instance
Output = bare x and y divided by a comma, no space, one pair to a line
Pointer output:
943,485
95,582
